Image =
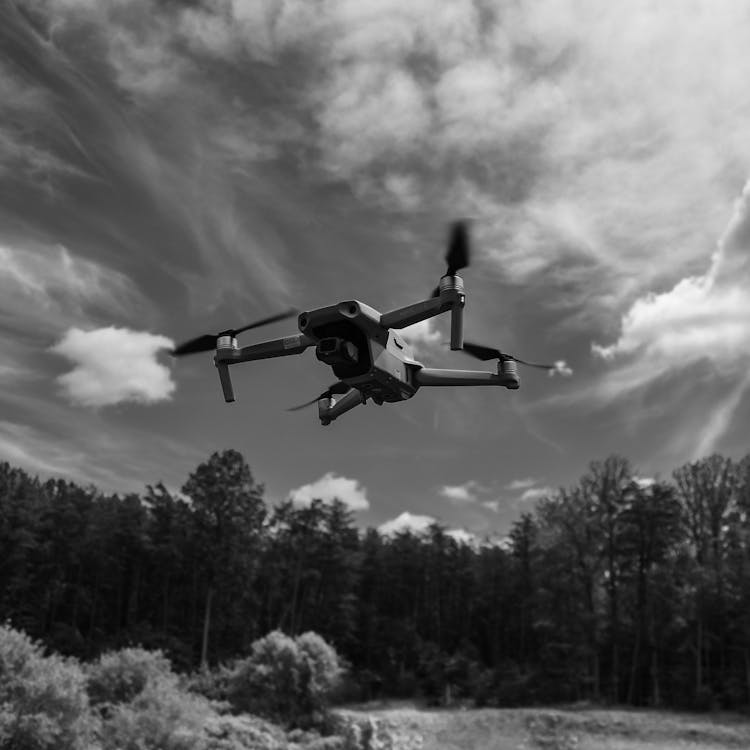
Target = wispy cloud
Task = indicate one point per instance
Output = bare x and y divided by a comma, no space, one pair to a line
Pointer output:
521,484
54,288
113,366
701,319
332,487
40,452
720,419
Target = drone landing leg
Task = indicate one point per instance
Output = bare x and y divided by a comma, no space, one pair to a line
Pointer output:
328,409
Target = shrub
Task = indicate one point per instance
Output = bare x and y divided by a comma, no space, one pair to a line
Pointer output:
43,702
285,679
159,717
324,669
213,684
119,676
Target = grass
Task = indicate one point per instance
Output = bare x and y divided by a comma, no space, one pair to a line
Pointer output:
554,729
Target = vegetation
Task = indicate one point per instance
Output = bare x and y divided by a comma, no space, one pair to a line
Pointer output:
132,700
286,679
614,590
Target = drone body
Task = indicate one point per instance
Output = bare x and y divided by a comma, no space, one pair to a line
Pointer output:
364,349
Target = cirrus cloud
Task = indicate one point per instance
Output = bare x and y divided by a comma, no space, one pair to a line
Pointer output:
114,365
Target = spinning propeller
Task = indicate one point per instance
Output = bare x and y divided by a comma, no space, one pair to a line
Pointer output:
339,388
207,342
457,255
485,353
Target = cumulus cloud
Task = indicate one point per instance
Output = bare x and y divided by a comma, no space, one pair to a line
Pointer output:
422,335
406,522
114,365
331,487
419,524
701,317
462,536
560,367
462,493
532,494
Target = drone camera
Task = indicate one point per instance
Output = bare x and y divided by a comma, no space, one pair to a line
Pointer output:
333,350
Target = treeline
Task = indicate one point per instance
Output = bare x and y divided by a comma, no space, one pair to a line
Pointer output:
617,589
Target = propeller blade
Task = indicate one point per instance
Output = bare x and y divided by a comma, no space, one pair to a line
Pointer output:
535,364
338,388
457,255
291,313
481,352
207,342
201,344
458,248
485,353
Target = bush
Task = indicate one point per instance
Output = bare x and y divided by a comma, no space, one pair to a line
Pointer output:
159,717
119,676
43,701
213,684
287,680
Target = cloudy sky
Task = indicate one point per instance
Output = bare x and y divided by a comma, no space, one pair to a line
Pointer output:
169,169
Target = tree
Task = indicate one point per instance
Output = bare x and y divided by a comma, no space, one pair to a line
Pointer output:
227,515
651,529
707,492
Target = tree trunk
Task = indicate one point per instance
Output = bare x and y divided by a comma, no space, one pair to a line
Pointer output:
165,606
655,692
634,668
206,628
699,658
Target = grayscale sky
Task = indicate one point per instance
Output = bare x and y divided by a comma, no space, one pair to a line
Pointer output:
175,168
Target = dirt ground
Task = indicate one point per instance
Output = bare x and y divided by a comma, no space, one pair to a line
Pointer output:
409,727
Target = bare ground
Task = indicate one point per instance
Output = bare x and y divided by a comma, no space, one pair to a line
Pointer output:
408,727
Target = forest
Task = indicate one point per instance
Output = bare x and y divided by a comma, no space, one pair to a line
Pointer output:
616,590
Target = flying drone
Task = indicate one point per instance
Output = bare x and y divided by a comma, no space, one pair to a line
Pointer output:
364,349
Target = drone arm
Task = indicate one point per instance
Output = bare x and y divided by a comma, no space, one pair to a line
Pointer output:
284,347
451,298
419,311
429,376
228,353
